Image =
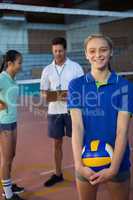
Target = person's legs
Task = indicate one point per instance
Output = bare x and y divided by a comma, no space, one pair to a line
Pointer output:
15,188
6,144
7,153
58,155
120,189
86,191
56,132
13,130
8,138
68,125
14,142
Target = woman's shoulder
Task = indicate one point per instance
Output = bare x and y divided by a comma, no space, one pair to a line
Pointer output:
2,76
78,80
123,80
125,84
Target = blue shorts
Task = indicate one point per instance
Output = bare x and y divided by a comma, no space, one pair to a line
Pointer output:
59,125
8,127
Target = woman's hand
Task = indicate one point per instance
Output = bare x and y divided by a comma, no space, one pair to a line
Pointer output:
86,172
2,105
102,176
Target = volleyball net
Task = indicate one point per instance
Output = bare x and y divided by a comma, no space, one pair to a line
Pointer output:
24,32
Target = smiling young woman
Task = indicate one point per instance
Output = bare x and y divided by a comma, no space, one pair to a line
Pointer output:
8,121
105,120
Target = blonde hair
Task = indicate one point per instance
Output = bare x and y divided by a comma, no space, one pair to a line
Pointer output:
98,35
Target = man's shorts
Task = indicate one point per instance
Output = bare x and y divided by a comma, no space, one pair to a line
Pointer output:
59,125
8,127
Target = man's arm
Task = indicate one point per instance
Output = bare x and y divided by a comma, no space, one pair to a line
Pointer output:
44,94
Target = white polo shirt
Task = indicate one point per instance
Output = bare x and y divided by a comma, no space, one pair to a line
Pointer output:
55,78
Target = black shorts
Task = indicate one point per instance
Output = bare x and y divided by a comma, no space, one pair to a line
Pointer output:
59,125
8,127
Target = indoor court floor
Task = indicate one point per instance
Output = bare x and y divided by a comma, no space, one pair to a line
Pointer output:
34,162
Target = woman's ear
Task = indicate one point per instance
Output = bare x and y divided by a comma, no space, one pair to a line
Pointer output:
86,55
9,63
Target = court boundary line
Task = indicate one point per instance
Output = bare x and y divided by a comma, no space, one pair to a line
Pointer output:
53,170
44,173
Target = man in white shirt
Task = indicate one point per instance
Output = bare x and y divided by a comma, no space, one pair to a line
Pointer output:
55,79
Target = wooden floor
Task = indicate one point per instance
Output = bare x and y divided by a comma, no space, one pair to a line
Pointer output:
34,161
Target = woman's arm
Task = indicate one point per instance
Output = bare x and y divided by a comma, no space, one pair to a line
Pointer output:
77,141
2,105
119,150
121,140
77,136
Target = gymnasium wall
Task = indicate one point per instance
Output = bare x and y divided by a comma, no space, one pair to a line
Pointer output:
13,35
34,41
121,32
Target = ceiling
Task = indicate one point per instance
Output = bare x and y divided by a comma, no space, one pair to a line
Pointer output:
60,3
94,4
113,5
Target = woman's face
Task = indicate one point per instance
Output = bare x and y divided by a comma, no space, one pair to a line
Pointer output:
16,65
98,53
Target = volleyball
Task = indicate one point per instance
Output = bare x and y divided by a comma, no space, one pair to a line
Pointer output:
97,155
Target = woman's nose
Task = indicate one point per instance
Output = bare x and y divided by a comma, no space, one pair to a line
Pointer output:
98,54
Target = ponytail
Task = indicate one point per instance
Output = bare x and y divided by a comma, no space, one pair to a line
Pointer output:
3,64
109,67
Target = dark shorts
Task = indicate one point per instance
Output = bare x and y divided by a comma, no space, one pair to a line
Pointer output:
59,125
8,127
120,177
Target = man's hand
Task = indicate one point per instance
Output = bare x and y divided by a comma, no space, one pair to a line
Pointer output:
40,108
62,96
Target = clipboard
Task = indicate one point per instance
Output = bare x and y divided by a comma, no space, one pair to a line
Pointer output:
53,96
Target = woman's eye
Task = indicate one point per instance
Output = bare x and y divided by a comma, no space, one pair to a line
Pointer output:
92,51
103,50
